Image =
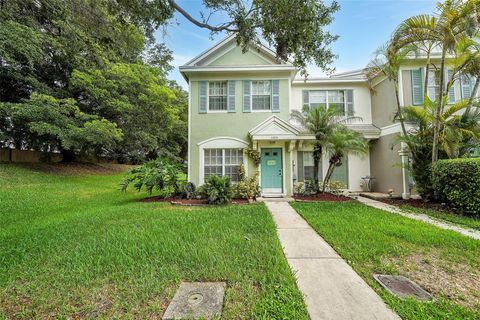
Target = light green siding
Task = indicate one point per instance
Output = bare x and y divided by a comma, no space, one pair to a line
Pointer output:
235,57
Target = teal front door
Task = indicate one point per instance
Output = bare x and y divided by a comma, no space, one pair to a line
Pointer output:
271,170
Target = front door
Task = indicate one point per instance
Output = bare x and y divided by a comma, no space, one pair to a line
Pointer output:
271,170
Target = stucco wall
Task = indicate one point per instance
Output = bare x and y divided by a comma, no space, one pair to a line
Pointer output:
234,125
384,103
385,164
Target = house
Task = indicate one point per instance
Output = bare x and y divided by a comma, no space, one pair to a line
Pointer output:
235,94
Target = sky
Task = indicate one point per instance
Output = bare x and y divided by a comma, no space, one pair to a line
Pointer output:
363,26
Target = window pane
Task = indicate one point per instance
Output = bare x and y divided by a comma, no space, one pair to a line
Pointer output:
317,97
261,102
308,158
217,95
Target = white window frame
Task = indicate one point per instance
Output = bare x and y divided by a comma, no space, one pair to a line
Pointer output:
226,96
223,164
303,164
221,142
436,87
327,103
251,96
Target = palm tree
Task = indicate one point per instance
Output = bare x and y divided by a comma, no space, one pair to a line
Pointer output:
322,123
341,142
457,19
387,62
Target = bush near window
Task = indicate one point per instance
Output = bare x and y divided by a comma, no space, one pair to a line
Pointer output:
218,190
246,187
457,182
161,174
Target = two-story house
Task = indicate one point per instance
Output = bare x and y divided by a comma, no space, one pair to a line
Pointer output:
235,94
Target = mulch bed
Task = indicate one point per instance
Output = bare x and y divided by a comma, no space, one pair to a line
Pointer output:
322,196
188,202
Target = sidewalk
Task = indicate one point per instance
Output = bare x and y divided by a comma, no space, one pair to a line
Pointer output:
332,289
420,217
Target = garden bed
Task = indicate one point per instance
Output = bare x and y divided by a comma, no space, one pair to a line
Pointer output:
188,202
321,196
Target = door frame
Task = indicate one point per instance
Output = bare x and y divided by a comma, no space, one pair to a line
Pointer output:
282,157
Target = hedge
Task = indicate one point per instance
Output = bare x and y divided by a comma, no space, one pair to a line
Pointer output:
457,182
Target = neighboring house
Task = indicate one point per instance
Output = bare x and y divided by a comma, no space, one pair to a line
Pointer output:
233,94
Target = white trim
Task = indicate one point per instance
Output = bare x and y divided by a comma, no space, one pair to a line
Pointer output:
275,119
327,80
219,143
208,97
254,67
400,87
205,53
189,137
390,129
251,96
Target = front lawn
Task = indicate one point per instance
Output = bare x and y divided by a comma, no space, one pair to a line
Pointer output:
76,247
374,241
461,220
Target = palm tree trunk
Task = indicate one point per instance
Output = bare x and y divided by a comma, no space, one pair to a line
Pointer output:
436,127
331,167
474,94
425,86
317,157
399,109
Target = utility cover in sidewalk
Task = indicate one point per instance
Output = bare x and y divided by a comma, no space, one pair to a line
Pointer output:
196,300
402,287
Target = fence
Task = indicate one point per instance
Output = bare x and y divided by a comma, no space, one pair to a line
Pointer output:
15,155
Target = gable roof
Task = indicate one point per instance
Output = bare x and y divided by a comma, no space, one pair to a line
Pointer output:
258,57
274,126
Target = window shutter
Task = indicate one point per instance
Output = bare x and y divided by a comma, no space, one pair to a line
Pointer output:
300,176
417,87
350,109
246,96
466,85
451,92
275,95
305,99
231,96
202,103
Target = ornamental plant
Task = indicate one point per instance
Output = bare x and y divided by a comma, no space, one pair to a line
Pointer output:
218,190
246,187
457,182
161,175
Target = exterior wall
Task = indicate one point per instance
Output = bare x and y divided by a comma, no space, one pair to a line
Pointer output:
361,97
236,57
232,125
385,164
384,103
358,167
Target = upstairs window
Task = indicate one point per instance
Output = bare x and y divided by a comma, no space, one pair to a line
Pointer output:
325,99
261,95
217,96
222,162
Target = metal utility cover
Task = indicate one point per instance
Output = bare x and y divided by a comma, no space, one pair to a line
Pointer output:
196,300
402,287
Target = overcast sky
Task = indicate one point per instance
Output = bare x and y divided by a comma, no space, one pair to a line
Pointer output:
363,26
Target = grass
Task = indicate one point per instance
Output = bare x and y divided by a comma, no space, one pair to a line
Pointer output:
374,241
460,220
76,247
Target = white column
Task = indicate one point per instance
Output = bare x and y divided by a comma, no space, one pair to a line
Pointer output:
405,173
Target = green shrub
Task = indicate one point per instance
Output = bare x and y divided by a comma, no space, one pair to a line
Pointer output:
161,175
246,188
335,187
299,188
218,190
457,182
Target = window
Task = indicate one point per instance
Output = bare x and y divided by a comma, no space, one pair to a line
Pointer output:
222,162
433,89
217,96
261,95
308,165
325,99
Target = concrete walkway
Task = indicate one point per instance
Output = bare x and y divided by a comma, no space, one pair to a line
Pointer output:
332,289
420,217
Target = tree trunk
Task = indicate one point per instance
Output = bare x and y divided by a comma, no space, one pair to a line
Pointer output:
425,86
317,157
436,127
474,94
399,109
331,167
